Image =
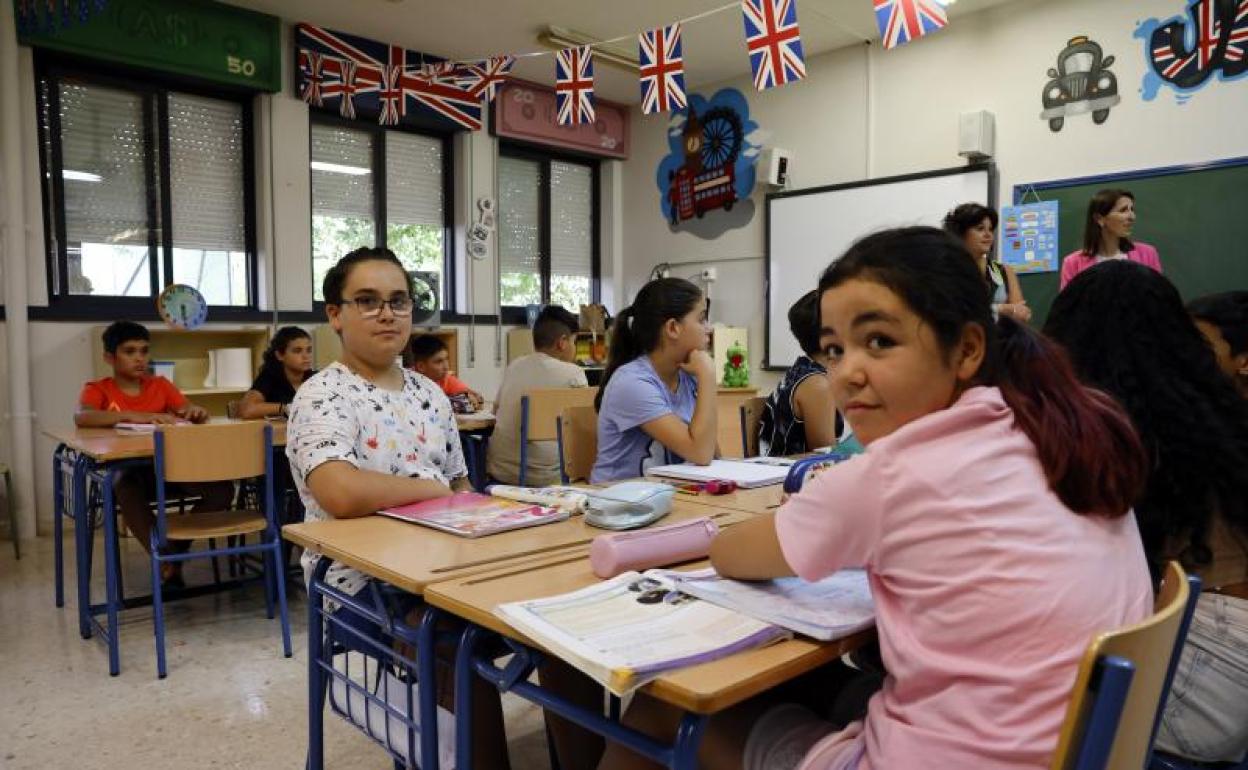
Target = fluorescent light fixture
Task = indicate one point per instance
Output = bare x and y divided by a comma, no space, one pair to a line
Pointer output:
338,168
81,176
615,54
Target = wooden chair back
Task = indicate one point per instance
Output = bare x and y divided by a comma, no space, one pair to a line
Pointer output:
751,418
1148,647
578,442
543,405
215,451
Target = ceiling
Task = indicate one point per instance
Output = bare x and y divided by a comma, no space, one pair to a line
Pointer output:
714,47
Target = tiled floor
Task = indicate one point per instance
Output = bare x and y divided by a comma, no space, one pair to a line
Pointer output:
230,701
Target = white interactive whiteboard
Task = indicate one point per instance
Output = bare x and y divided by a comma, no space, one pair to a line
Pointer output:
808,229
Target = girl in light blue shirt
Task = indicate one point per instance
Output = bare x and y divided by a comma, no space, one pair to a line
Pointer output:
656,404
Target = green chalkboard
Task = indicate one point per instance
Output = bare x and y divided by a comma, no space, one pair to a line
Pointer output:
1196,216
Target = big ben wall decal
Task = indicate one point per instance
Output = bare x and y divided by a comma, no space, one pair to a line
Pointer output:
707,177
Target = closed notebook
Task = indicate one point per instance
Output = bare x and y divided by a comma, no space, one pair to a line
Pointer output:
469,514
746,474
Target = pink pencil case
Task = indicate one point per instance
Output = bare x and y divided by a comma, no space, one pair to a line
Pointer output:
609,555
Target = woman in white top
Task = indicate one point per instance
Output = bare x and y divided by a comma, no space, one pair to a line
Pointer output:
976,226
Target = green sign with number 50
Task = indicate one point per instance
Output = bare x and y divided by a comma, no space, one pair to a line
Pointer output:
199,38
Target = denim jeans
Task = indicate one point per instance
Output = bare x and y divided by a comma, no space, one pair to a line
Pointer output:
1206,716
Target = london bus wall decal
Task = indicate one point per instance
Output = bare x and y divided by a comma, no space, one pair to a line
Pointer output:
709,170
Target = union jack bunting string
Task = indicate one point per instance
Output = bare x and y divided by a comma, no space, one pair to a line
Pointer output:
662,70
483,78
373,80
902,21
574,85
772,38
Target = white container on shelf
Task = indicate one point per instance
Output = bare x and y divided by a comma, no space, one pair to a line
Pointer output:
229,368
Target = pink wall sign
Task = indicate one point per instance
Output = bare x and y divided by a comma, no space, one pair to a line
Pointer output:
526,112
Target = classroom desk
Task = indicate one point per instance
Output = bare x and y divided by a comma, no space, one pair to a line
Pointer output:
87,455
757,500
414,558
700,691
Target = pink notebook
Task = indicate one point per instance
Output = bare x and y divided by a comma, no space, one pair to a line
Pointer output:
469,514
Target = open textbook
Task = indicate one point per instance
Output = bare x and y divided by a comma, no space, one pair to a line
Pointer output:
827,609
626,631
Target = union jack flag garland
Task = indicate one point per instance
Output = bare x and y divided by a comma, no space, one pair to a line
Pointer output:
773,41
662,70
574,85
901,21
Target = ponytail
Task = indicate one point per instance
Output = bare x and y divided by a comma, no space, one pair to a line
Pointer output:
1092,458
636,329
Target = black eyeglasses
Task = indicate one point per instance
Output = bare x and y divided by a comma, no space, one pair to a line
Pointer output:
370,306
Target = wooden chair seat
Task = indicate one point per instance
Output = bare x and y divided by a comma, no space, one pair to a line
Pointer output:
201,526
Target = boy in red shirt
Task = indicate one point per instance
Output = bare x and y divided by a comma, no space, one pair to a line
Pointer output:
431,358
132,394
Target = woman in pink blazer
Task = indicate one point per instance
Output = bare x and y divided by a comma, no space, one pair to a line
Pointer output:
1106,235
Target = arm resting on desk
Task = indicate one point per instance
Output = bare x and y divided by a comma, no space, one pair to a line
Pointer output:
347,492
86,417
750,551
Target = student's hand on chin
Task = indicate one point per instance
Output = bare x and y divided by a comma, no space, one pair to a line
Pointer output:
700,365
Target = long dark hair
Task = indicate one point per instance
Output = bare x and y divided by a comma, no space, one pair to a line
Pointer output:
284,336
637,327
1101,204
1091,456
1128,333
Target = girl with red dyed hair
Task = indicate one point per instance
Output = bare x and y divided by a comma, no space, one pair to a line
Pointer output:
991,511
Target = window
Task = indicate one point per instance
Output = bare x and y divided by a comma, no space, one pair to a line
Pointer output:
145,186
375,186
547,231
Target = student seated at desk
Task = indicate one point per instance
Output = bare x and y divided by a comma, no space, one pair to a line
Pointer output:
286,365
656,404
972,428
799,416
133,394
431,358
1223,319
551,366
366,434
1127,332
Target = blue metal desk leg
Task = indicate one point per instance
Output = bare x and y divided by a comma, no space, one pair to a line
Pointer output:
82,546
316,679
426,675
58,523
111,566
464,674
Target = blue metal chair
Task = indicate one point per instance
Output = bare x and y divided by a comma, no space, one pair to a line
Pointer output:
807,467
1120,685
216,452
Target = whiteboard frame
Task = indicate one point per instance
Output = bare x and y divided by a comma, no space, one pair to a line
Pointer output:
992,193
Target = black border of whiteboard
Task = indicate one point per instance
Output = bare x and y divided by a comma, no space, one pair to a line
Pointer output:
993,185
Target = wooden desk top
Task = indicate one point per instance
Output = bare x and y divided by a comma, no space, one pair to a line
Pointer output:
411,557
704,689
469,423
109,445
758,500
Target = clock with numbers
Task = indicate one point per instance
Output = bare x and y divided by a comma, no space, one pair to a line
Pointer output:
182,306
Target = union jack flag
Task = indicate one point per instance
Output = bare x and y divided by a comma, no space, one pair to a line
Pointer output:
376,81
1237,41
772,38
1174,61
662,70
902,21
483,78
574,85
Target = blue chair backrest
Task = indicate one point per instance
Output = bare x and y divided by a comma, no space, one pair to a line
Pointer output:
1109,686
808,466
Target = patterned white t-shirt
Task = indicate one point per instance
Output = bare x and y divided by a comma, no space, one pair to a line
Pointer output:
338,415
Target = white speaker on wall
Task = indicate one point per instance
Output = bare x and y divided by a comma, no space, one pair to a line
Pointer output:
977,135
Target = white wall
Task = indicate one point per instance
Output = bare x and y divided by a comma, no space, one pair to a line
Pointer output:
994,60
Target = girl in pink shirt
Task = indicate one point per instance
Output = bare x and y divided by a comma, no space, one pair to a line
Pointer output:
1106,235
991,511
